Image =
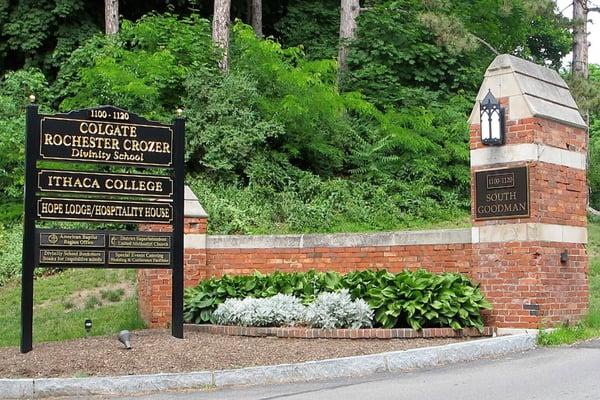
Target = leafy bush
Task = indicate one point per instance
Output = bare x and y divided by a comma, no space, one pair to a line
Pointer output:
420,299
10,252
226,130
142,69
329,310
338,310
313,25
202,300
279,310
417,299
312,204
15,87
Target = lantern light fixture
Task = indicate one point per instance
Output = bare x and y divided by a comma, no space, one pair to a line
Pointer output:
492,121
87,325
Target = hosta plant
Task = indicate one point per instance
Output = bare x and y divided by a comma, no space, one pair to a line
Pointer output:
416,299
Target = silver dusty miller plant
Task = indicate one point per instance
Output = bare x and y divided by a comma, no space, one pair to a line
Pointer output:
279,310
338,310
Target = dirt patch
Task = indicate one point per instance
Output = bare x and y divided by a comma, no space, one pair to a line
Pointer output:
93,297
157,351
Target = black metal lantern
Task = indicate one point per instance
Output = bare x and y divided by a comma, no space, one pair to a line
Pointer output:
492,121
87,325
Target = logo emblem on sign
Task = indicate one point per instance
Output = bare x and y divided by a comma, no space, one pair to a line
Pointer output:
53,239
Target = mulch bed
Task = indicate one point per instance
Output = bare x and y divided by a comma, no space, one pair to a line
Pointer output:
156,351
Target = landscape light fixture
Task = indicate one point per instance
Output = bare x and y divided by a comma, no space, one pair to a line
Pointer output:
125,338
492,121
87,325
564,257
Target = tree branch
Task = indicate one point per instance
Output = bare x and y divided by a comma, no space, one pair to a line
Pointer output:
596,9
593,211
489,46
565,9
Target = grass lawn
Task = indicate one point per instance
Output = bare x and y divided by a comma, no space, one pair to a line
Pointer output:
590,326
62,302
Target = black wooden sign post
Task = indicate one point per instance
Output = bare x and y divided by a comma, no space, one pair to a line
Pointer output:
105,136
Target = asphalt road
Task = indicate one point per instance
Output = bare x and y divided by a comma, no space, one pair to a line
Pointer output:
558,373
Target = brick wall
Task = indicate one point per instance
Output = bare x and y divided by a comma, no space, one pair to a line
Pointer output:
154,285
525,279
528,285
516,261
435,258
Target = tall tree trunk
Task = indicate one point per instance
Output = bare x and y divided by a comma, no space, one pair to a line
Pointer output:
257,17
111,16
249,12
348,14
579,67
220,29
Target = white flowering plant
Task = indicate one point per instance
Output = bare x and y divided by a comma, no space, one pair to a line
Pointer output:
329,310
279,310
338,310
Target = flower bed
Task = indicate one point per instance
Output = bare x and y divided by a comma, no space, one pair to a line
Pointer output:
368,333
416,299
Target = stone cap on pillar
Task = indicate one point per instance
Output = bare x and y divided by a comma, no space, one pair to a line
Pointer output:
191,205
532,91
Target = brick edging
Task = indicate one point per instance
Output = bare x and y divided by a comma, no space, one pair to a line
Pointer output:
313,333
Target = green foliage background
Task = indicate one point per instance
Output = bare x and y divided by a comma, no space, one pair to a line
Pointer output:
281,142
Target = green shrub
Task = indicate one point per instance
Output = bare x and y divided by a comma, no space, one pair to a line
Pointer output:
10,252
112,295
309,203
415,299
141,69
420,299
15,87
313,25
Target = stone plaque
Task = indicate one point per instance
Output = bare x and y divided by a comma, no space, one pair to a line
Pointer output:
75,239
104,210
108,142
67,256
139,257
104,183
138,240
502,193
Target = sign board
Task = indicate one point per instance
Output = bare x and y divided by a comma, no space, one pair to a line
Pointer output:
102,137
104,183
93,210
115,249
104,141
502,193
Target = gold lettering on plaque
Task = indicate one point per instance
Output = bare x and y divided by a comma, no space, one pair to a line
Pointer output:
101,128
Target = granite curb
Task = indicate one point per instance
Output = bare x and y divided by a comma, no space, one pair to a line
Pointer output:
396,361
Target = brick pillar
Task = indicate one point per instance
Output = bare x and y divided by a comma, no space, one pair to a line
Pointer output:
517,260
154,285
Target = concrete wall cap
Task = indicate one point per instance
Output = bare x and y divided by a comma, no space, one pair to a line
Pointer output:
432,237
192,206
524,152
532,91
516,64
